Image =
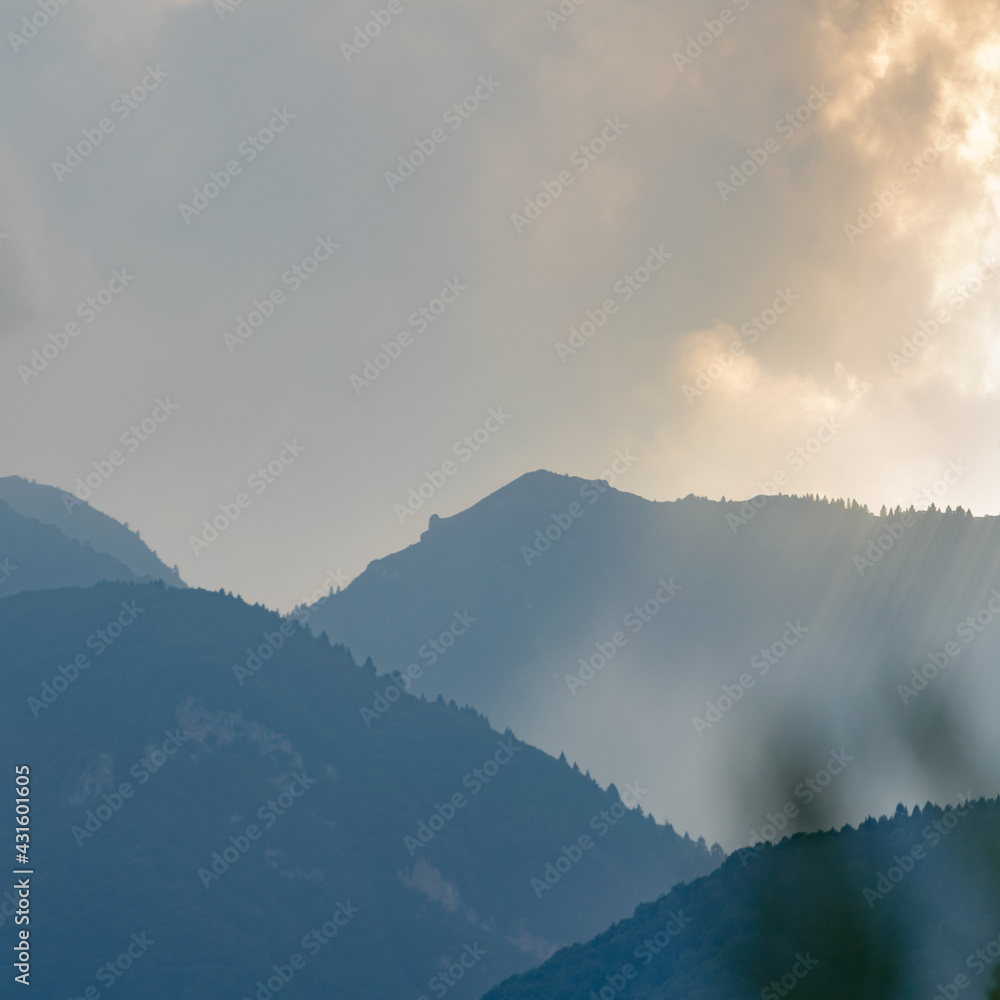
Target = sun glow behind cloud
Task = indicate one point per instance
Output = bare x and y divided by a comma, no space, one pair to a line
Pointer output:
915,120
901,77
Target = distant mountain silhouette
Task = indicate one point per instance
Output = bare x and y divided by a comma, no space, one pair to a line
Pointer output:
261,807
857,914
36,556
79,520
692,643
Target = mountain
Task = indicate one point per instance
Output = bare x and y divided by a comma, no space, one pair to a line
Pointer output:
36,556
898,909
205,792
77,519
704,645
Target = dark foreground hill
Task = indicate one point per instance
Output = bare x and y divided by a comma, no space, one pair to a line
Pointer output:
635,635
36,556
906,908
86,524
206,793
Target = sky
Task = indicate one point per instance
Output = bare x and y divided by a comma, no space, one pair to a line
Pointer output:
750,247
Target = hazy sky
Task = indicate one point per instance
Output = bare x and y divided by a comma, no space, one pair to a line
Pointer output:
627,152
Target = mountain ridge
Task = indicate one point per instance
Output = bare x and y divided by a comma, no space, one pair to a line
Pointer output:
399,822
554,567
77,519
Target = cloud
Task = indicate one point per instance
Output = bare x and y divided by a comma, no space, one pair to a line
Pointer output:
898,78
